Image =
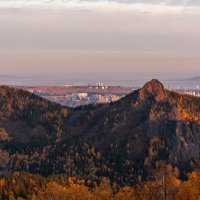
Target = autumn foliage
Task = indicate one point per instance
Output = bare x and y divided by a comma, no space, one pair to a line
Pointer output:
163,184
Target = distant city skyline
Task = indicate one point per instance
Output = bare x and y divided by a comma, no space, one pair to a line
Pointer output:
100,39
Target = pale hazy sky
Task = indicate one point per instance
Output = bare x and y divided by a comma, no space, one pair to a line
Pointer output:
123,39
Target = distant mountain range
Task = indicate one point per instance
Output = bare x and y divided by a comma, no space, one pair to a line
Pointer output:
121,140
196,78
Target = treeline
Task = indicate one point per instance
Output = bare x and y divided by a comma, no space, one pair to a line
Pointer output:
163,184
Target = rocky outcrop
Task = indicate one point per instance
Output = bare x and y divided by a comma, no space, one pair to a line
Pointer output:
153,89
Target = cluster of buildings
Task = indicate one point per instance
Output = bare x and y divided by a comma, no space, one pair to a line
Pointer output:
192,92
76,99
74,96
195,93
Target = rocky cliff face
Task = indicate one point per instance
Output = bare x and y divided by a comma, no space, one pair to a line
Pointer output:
153,89
166,120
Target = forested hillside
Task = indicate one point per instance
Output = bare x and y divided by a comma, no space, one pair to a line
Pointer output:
123,141
164,183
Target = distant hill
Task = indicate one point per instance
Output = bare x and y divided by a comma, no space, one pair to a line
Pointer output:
196,78
121,140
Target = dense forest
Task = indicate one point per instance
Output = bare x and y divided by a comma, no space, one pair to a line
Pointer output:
164,184
146,143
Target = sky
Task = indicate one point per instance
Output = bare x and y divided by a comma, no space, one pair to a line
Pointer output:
100,39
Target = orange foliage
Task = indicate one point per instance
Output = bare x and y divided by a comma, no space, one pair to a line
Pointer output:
164,184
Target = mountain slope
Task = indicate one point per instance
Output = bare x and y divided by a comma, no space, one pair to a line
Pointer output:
149,112
23,114
121,140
